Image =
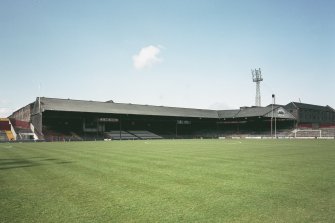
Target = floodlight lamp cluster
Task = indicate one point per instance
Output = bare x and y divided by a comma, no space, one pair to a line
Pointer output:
257,75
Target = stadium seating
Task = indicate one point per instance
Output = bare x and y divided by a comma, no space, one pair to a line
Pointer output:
143,134
75,136
10,135
53,135
6,130
117,135
22,130
3,136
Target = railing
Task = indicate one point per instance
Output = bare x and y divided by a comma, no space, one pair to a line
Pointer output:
13,130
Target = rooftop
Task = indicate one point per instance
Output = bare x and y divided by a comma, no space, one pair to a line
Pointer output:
70,105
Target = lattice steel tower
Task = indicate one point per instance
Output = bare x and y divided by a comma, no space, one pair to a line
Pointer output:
257,77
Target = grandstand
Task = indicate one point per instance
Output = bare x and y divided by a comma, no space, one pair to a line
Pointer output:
7,132
65,119
54,119
3,136
23,129
312,116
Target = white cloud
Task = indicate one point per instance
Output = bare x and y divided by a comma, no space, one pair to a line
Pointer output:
147,57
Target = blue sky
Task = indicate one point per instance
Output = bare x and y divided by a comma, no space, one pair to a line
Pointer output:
190,53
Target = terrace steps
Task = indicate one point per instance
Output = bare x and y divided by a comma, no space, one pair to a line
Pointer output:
10,135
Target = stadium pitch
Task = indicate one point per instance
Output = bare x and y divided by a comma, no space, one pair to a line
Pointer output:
168,181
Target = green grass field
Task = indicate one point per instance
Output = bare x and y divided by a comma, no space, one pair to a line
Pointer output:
168,181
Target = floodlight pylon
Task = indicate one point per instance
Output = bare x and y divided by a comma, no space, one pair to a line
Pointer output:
257,78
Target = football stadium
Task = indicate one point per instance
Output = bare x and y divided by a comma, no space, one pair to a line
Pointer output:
53,119
66,160
140,111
